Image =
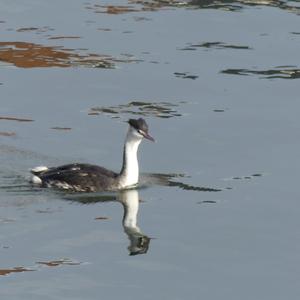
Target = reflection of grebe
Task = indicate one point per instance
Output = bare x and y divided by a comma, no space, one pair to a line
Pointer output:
139,243
89,178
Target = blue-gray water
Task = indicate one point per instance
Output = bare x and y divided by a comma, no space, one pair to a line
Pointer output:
218,83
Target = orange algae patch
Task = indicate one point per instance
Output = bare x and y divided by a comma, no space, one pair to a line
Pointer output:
30,55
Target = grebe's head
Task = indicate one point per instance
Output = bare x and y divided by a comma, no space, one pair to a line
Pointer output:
139,128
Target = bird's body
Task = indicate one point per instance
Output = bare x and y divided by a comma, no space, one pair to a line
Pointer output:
80,177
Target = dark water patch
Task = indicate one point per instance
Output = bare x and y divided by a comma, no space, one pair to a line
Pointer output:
185,75
215,45
141,108
15,119
101,218
30,55
189,187
171,180
37,30
103,29
219,110
91,198
4,272
256,175
188,49
277,72
64,37
26,29
226,5
207,202
61,128
60,262
247,177
295,33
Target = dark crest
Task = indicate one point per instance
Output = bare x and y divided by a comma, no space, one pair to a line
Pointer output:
139,124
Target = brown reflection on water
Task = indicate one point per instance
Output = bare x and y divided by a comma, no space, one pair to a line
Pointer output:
53,263
114,9
4,272
30,55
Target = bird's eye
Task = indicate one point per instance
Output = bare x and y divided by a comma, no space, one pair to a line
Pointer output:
140,132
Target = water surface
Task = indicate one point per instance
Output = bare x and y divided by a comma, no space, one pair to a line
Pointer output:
217,210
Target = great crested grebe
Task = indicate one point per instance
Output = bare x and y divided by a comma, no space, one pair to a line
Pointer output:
90,178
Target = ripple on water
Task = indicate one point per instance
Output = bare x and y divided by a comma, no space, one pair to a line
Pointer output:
245,177
185,75
281,72
215,45
171,180
36,30
140,108
59,262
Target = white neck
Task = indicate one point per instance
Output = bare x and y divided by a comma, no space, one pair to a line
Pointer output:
129,174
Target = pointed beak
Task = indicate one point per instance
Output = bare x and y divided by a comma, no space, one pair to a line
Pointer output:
148,137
